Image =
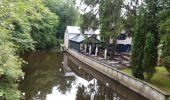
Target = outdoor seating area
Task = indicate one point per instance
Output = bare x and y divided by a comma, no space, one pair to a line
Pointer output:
91,45
118,62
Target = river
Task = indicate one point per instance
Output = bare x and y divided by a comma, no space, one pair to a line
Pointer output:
52,75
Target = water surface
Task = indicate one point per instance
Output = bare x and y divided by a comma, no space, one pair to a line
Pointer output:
50,75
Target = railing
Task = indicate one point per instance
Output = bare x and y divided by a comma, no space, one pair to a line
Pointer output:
132,83
118,64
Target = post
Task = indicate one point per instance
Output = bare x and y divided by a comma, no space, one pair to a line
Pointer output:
105,53
96,51
90,49
85,47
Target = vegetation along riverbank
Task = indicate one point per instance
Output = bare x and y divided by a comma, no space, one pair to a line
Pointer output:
28,25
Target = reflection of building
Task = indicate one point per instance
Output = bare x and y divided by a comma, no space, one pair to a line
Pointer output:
68,71
77,67
73,69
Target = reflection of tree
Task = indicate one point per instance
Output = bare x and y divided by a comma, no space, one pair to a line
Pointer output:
78,71
42,74
81,93
96,90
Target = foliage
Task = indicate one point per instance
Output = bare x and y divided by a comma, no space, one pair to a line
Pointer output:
21,26
14,20
16,36
160,79
89,21
166,52
138,47
10,67
138,19
148,62
67,13
164,27
43,27
106,16
148,56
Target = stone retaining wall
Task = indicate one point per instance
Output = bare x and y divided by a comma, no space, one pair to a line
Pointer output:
132,83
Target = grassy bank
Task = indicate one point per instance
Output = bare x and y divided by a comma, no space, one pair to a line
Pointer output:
161,78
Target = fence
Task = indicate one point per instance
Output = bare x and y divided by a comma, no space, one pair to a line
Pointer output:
132,83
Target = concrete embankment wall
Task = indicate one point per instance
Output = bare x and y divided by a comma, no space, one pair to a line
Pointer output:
132,83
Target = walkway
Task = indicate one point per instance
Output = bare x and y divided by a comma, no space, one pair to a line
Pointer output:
118,62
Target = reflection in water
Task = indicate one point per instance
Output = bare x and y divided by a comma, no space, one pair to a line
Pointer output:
42,74
100,87
47,77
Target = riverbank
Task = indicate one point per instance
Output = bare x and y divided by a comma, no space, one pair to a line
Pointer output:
161,79
139,86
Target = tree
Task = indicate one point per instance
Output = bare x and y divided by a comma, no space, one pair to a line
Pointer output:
109,16
141,58
10,67
152,20
16,21
19,28
164,27
166,51
138,46
67,12
43,23
148,62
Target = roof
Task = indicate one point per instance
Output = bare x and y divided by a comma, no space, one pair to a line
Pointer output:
79,38
73,29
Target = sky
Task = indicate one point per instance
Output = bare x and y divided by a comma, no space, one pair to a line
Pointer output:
71,95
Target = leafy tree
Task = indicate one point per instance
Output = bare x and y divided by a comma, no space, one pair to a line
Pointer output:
89,21
43,24
109,16
67,13
10,67
16,20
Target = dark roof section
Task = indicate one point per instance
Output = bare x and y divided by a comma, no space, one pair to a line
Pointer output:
78,38
87,38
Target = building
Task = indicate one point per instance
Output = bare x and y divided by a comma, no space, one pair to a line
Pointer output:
90,41
87,42
71,31
123,43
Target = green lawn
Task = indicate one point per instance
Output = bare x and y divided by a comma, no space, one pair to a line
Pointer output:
161,78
